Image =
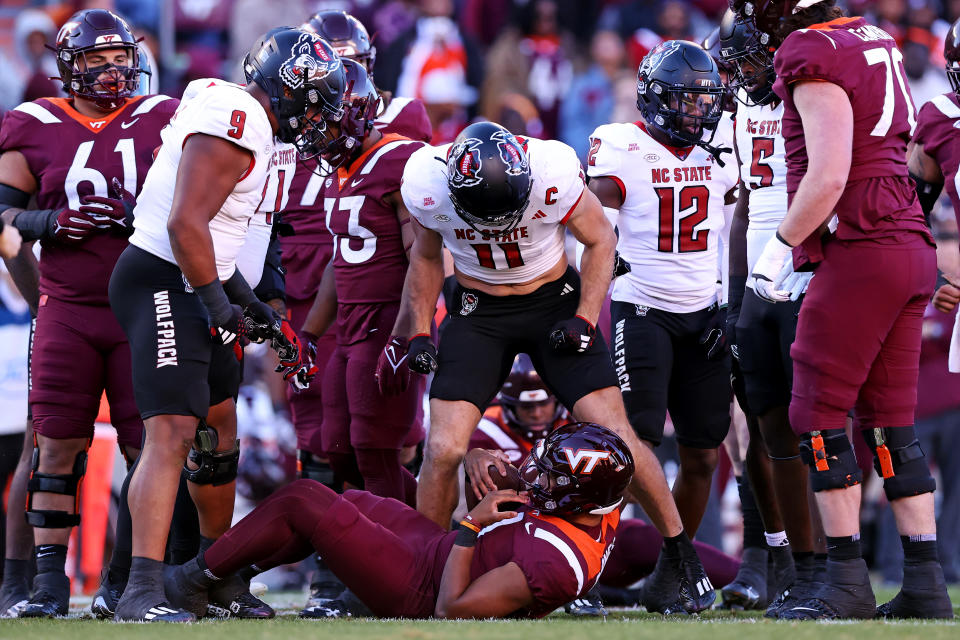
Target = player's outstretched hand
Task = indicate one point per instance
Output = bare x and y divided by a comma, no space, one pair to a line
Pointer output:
477,465
392,374
946,298
488,511
422,355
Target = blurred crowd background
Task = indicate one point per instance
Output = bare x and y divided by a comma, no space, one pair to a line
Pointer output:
545,68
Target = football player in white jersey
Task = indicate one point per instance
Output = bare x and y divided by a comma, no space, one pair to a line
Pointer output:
667,184
501,206
761,333
184,305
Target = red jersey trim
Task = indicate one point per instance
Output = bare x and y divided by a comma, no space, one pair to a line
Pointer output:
564,219
834,24
65,105
620,185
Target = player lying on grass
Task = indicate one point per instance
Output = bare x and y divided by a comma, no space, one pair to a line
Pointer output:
547,548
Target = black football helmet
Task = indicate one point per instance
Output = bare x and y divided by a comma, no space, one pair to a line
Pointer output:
346,34
951,53
579,468
361,102
305,81
679,93
525,386
488,174
768,15
106,85
750,55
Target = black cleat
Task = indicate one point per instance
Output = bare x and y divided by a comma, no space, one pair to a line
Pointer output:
923,594
146,602
677,586
846,594
187,586
325,585
14,595
231,598
749,588
51,596
619,596
105,599
696,590
803,587
328,609
590,605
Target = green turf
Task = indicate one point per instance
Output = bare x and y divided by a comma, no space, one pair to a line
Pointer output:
625,625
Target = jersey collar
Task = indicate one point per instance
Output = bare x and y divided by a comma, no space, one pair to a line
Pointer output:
680,152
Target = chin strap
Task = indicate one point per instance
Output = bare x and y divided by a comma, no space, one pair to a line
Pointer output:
716,152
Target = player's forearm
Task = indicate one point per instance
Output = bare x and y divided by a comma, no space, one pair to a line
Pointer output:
25,272
812,205
323,313
192,248
421,289
596,267
738,237
454,582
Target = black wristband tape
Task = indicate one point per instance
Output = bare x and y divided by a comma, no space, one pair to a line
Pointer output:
215,299
466,537
36,224
780,238
238,290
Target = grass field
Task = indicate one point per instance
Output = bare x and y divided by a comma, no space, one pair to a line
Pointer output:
621,624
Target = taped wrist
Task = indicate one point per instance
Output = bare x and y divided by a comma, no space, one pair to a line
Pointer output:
36,224
927,193
830,457
467,534
215,299
238,290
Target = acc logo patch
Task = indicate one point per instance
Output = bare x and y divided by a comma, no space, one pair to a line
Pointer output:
651,157
441,217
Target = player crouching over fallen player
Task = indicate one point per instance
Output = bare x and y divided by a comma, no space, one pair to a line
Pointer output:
546,549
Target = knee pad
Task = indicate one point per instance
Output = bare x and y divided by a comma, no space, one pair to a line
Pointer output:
66,484
900,461
830,457
312,468
213,467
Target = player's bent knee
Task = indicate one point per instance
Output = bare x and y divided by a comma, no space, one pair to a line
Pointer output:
900,461
701,462
830,457
208,466
67,484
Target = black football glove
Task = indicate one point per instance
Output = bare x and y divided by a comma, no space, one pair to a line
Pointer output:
230,328
574,335
261,321
714,339
620,266
422,355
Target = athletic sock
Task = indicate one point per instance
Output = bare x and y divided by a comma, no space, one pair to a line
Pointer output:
844,547
919,548
752,523
51,558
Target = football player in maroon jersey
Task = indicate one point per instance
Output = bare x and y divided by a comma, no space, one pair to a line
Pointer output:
72,154
847,118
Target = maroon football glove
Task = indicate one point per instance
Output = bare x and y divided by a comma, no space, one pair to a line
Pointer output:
393,376
113,213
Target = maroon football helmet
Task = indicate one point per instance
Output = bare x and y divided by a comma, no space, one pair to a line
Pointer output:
346,34
106,85
361,102
580,467
524,386
951,53
768,15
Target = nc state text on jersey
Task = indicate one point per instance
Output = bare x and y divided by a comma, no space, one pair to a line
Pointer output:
680,174
763,127
491,236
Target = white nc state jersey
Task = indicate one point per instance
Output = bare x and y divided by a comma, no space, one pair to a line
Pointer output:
671,219
763,170
528,251
224,110
275,194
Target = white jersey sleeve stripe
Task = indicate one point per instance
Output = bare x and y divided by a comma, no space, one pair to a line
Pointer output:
495,433
393,110
567,552
146,105
387,148
39,112
946,107
514,520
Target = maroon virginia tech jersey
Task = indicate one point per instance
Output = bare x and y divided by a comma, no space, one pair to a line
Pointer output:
304,211
879,200
938,130
560,560
72,156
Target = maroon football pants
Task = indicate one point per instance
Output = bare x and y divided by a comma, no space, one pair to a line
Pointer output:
388,554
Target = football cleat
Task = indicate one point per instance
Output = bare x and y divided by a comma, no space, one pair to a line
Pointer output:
14,595
749,588
328,609
590,605
184,586
661,589
231,598
51,596
105,599
923,594
845,594
696,590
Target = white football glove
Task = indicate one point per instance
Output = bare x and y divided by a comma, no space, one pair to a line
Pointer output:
794,282
768,272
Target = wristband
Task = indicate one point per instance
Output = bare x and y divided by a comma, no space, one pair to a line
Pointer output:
238,290
35,224
467,535
214,298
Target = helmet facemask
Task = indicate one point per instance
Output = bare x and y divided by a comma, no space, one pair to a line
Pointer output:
688,116
107,85
361,103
